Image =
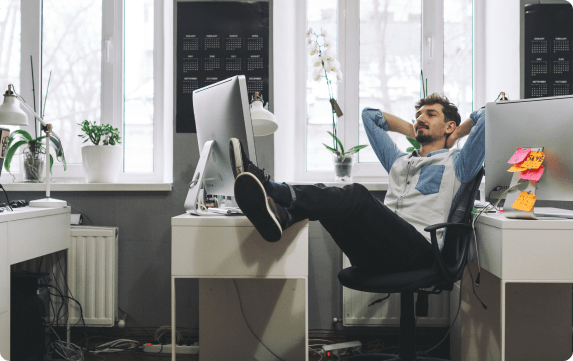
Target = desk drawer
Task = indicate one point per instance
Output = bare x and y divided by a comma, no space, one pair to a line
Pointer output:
238,251
34,237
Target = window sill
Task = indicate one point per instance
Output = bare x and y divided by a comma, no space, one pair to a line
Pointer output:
78,186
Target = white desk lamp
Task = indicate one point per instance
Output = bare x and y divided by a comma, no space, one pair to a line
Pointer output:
12,114
264,122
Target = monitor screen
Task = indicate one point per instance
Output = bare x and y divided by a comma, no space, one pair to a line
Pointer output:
222,112
530,123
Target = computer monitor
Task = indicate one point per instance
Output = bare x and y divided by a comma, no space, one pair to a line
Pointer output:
221,112
530,123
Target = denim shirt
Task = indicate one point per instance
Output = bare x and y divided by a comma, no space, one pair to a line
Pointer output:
421,189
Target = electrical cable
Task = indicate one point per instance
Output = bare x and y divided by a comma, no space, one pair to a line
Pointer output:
247,322
457,313
82,213
7,199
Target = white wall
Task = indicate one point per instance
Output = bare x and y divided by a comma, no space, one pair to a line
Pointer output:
501,68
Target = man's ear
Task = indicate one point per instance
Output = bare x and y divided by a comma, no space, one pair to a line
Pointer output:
450,127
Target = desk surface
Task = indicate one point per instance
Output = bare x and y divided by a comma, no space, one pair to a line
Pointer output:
498,220
31,212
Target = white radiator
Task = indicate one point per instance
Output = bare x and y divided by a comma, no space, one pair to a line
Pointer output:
387,313
92,276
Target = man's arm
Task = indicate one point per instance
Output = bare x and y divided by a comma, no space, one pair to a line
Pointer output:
377,125
470,159
399,125
461,131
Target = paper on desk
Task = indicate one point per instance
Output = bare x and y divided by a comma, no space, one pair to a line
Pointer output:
532,174
519,156
525,201
534,160
516,168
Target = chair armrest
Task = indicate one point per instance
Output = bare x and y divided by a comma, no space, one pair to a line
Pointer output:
450,273
435,227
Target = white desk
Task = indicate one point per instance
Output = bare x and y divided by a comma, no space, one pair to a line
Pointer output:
526,276
25,234
272,279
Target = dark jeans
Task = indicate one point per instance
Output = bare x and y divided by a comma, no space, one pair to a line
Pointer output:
373,237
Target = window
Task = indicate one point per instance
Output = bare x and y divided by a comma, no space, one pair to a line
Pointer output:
107,61
383,46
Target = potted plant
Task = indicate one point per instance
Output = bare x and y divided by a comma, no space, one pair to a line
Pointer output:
323,59
33,154
101,162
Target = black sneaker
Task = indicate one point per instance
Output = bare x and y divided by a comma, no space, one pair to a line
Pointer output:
268,218
241,163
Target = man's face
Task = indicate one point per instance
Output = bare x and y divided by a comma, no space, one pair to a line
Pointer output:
430,126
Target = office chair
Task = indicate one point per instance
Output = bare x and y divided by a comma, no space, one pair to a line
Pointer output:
447,269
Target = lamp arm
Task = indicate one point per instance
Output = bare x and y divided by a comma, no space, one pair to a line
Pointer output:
35,114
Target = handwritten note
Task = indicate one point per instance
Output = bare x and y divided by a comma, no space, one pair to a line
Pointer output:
534,160
532,174
516,168
519,156
525,201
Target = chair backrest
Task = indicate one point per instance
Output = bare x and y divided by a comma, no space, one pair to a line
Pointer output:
456,241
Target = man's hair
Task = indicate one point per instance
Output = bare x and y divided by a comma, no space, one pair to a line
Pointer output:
450,111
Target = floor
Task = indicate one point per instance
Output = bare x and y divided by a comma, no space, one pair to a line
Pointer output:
382,343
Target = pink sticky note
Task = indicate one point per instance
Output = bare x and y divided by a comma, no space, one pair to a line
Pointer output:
519,156
532,174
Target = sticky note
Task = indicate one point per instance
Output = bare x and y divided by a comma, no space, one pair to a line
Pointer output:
519,156
525,201
532,174
516,168
534,160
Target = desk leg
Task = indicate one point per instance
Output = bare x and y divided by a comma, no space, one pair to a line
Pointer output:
173,349
502,315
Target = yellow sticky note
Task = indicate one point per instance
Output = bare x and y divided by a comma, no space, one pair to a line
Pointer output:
525,201
516,168
534,160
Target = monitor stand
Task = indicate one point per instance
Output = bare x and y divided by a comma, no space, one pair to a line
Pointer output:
195,201
508,210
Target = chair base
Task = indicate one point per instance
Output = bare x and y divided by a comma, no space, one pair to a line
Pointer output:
390,357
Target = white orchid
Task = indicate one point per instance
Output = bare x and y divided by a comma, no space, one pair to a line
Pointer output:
313,48
316,61
323,60
332,66
317,74
327,55
338,75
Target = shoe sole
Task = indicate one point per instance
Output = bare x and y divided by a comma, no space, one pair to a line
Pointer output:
251,197
236,157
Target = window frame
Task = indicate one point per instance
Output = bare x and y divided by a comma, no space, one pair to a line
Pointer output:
112,90
432,36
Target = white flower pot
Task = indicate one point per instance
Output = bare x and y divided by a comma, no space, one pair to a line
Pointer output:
102,163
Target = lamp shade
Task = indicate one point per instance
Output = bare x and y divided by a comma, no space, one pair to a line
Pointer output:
264,122
11,113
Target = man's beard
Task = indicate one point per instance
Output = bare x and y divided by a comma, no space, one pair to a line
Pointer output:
424,138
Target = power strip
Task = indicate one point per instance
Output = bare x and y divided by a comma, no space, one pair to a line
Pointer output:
339,349
193,350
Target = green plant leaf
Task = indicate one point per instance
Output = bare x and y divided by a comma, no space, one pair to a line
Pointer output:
59,151
22,133
11,151
356,149
331,149
338,142
410,150
414,142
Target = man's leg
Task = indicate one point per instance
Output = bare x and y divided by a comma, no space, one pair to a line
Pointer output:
373,237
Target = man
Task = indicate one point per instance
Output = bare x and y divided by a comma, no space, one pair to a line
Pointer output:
376,237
